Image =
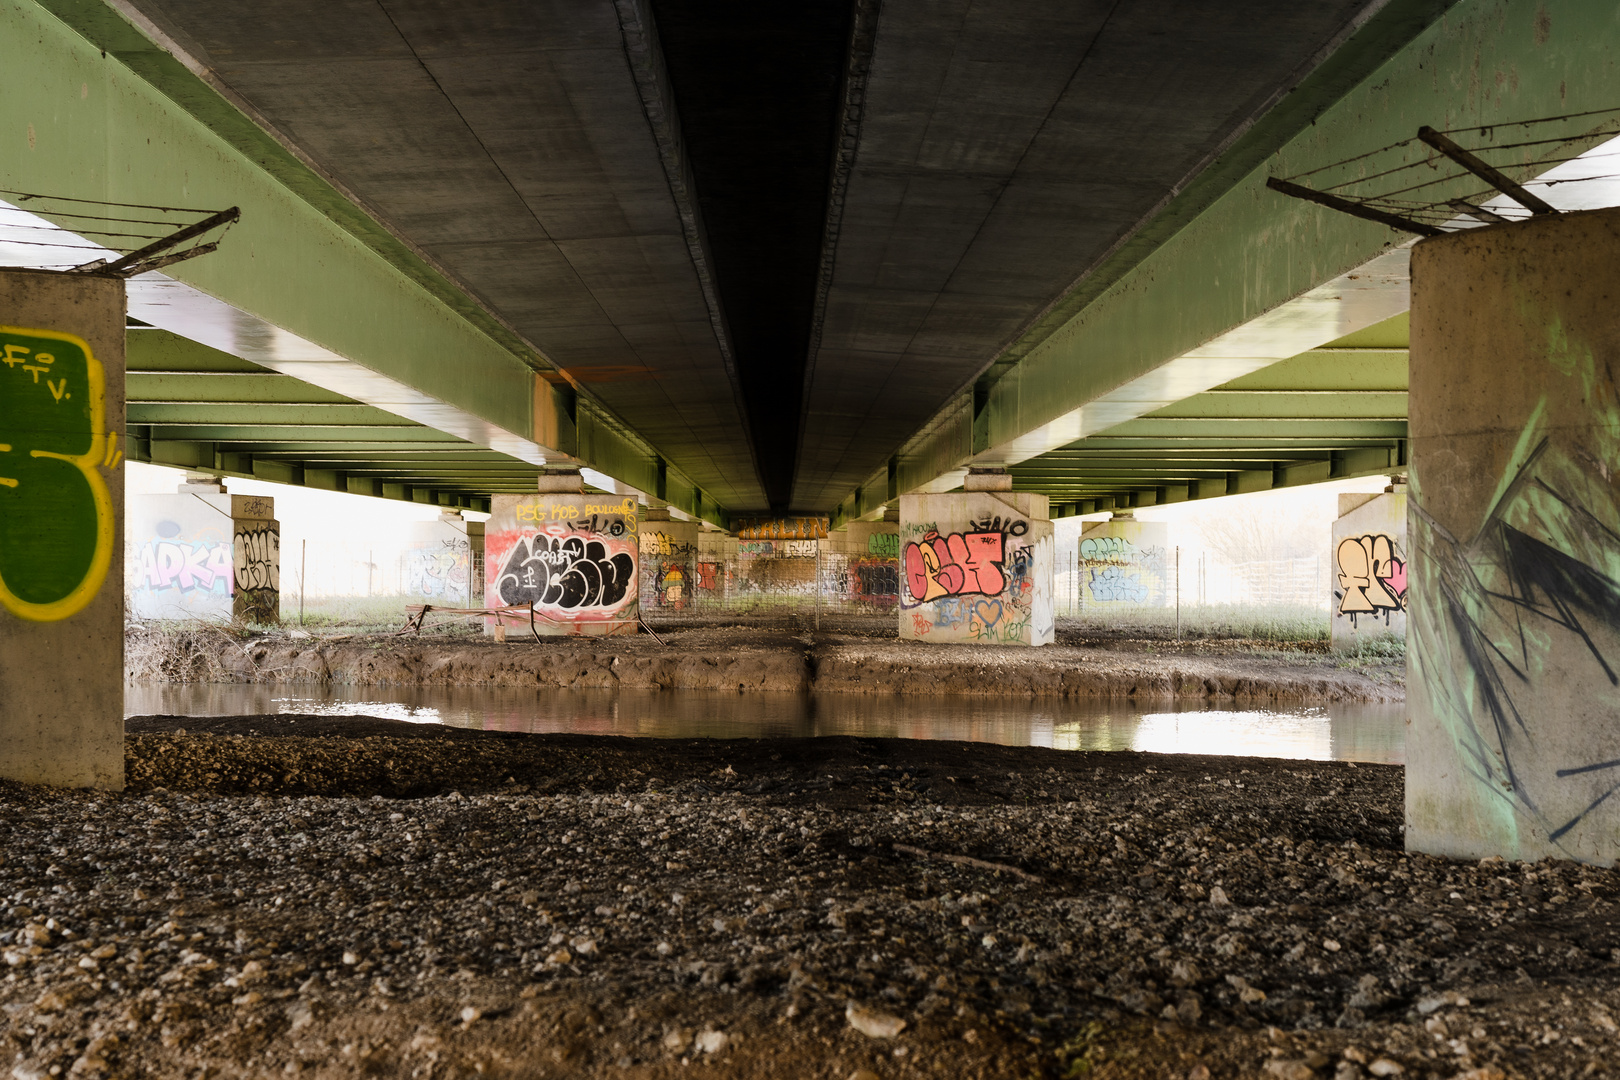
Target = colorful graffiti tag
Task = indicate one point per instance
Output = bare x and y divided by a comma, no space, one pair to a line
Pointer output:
886,545
186,565
1372,576
256,561
958,564
976,582
567,572
1119,570
56,516
440,568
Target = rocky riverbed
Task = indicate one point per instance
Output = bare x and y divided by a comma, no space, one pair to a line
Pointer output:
738,658
280,896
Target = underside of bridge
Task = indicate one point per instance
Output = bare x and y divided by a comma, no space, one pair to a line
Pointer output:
789,258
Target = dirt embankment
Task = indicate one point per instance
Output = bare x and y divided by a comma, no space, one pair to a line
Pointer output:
754,659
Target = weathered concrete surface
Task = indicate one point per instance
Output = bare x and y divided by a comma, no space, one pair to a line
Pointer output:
1514,631
61,520
976,566
751,660
1124,564
572,557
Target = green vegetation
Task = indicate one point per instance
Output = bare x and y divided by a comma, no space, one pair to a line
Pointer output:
1273,622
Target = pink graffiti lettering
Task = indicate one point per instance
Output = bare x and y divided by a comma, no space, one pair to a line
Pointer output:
169,565
955,565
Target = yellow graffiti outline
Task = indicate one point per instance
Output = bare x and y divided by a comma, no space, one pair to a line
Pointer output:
90,584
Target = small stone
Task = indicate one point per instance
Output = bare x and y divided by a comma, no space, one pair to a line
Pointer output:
252,997
1386,1067
1289,1069
561,956
864,1074
350,959
711,1042
50,1001
585,946
471,1015
1199,1071
676,1039
873,1024
1330,945
1217,897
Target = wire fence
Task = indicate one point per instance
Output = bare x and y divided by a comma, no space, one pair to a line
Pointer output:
799,582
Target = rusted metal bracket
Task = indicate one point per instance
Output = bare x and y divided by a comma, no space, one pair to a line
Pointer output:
1354,209
1487,173
141,260
1463,206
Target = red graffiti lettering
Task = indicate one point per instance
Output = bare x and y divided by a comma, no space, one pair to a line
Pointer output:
955,565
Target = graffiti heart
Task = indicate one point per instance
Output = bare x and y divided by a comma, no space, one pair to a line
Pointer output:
1372,576
566,572
955,565
56,516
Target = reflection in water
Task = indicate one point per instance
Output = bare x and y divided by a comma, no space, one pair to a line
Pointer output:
1333,732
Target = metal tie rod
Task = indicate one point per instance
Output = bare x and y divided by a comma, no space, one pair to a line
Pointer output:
224,217
1487,173
1355,209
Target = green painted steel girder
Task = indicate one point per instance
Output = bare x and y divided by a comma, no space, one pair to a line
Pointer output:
1135,334
241,387
96,110
263,416
1264,407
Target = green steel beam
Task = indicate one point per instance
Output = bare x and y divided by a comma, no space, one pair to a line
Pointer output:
1186,306
321,290
1264,407
235,387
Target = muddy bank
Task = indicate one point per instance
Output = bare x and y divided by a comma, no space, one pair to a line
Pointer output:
755,659
373,899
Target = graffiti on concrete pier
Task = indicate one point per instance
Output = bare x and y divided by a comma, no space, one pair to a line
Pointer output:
1372,576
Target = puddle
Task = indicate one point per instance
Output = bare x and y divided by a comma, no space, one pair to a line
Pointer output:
1337,732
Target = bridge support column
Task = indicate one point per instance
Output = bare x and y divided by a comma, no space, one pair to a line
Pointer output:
570,556
976,566
1514,619
61,526
1125,565
668,561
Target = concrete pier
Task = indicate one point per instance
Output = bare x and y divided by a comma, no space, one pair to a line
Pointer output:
669,550
204,554
61,517
1514,632
976,566
573,557
1124,564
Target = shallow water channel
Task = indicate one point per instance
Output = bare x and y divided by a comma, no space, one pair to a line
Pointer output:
1337,732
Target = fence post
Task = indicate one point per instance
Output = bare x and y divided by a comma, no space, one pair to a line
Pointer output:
303,570
1178,592
818,585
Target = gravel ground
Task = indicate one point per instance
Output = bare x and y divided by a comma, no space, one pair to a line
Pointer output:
345,898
